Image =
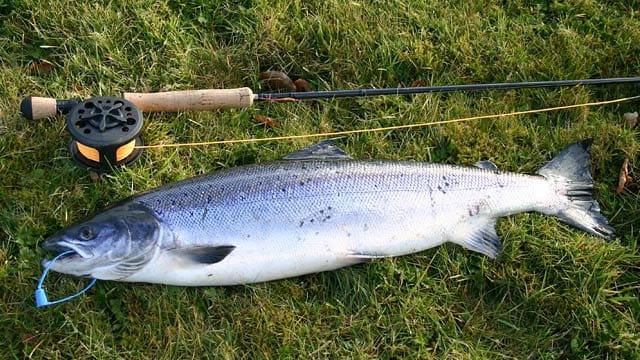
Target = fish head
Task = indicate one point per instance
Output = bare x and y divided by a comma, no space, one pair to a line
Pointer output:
111,245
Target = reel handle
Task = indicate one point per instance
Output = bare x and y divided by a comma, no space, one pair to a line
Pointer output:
34,108
192,100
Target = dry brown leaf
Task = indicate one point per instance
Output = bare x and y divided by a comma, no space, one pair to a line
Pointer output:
631,118
29,339
624,179
302,85
94,176
277,80
268,121
43,67
418,83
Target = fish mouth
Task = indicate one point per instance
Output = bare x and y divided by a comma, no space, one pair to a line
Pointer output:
60,246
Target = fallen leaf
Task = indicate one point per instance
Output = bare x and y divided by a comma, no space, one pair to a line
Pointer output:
78,88
94,176
624,179
631,118
417,83
302,85
268,121
29,339
277,80
43,67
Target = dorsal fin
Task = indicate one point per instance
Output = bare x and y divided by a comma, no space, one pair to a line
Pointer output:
487,165
324,150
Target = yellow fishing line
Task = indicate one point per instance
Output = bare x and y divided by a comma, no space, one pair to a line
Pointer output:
94,154
396,127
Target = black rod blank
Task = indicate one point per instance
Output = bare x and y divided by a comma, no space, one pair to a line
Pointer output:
441,89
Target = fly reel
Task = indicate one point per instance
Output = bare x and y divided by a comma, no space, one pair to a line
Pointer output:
105,132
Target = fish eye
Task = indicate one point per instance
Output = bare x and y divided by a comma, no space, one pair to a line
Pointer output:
86,233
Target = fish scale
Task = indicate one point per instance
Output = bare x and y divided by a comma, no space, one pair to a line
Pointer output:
276,186
318,210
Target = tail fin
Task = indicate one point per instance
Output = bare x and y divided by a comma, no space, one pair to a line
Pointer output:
570,171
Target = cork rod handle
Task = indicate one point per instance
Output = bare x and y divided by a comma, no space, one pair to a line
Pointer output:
192,100
34,108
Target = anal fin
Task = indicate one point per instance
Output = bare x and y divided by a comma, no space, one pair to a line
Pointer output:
480,236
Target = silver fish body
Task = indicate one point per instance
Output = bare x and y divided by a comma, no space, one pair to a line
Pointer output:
317,213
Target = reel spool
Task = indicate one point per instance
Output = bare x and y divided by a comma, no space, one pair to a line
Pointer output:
105,132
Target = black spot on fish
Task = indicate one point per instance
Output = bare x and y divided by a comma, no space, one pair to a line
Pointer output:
209,275
476,208
473,211
204,213
301,223
312,220
283,190
173,203
301,183
446,184
441,189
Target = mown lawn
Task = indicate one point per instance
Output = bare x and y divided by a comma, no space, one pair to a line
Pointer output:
557,293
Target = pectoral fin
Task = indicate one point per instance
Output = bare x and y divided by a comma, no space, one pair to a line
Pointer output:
204,254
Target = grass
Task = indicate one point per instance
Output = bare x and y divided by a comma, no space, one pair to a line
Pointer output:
556,294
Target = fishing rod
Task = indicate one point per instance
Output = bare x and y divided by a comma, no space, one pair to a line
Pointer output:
34,108
105,129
